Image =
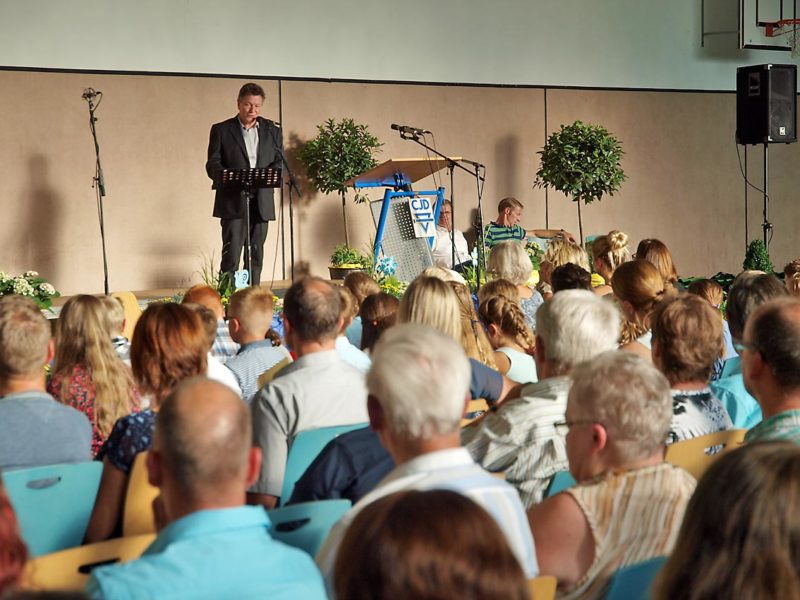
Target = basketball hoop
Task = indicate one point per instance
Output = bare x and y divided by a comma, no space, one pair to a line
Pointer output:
785,27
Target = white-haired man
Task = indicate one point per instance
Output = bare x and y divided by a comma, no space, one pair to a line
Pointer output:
423,436
519,437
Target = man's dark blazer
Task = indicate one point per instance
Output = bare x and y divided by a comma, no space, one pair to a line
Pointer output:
226,150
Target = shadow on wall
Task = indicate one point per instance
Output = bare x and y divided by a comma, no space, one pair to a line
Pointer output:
41,229
506,155
292,150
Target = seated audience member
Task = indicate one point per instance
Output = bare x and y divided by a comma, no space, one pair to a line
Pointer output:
739,537
214,368
378,313
628,503
13,552
687,340
509,260
559,252
446,275
712,292
519,438
771,369
361,286
443,244
87,373
748,292
205,295
423,437
498,287
210,544
473,337
570,277
115,313
349,353
319,389
35,430
609,252
637,287
511,339
791,273
657,253
249,321
433,545
169,345
506,227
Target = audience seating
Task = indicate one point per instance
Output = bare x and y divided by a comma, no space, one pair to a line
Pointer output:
305,447
130,305
68,570
694,455
633,582
475,409
542,587
53,503
560,482
306,525
137,514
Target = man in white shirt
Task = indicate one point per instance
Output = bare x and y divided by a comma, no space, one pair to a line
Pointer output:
418,391
443,245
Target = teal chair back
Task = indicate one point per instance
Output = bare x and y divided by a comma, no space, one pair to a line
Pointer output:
306,525
53,503
305,447
634,582
561,481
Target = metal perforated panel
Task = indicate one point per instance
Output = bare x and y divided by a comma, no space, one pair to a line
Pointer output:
411,253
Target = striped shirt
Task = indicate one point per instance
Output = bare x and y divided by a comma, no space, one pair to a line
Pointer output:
495,234
784,426
450,469
251,361
519,438
224,347
633,516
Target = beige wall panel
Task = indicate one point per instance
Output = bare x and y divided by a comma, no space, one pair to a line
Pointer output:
153,134
502,128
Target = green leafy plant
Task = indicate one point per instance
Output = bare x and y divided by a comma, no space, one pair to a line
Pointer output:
535,253
213,278
757,257
347,257
583,162
339,152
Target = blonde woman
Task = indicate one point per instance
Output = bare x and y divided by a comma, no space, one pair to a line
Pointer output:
87,372
473,337
559,252
511,339
431,301
509,260
609,252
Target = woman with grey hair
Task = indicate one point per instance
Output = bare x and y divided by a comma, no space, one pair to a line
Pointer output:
628,504
509,260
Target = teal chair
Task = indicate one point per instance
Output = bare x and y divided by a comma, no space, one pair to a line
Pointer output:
633,582
53,503
306,525
561,481
305,447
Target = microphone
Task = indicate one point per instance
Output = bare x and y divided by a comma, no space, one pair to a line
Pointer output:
90,93
407,129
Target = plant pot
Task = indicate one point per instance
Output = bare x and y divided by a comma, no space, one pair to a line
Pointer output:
342,272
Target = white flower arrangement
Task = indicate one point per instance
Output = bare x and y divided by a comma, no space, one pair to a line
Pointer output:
29,284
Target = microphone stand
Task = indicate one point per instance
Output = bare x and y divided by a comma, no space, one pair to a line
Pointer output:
292,185
98,183
451,165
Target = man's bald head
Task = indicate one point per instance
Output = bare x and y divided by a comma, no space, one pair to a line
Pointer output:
204,437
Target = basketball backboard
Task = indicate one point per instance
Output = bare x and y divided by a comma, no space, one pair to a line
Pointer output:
756,15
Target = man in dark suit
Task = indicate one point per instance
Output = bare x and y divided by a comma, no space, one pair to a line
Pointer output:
245,141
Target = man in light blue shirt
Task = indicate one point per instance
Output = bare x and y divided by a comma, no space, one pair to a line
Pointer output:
211,544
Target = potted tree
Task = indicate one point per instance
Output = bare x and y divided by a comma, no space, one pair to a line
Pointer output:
583,162
339,152
346,259
757,258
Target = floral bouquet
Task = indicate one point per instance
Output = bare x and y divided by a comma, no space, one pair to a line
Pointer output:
31,285
384,273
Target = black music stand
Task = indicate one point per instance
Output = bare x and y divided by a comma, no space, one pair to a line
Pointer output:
245,181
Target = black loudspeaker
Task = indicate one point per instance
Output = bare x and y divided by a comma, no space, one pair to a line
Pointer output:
766,104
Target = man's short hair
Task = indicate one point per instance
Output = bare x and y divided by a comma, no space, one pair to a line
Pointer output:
252,307
575,326
688,331
312,307
420,377
200,453
775,334
629,397
251,89
570,277
509,202
205,295
748,293
24,337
